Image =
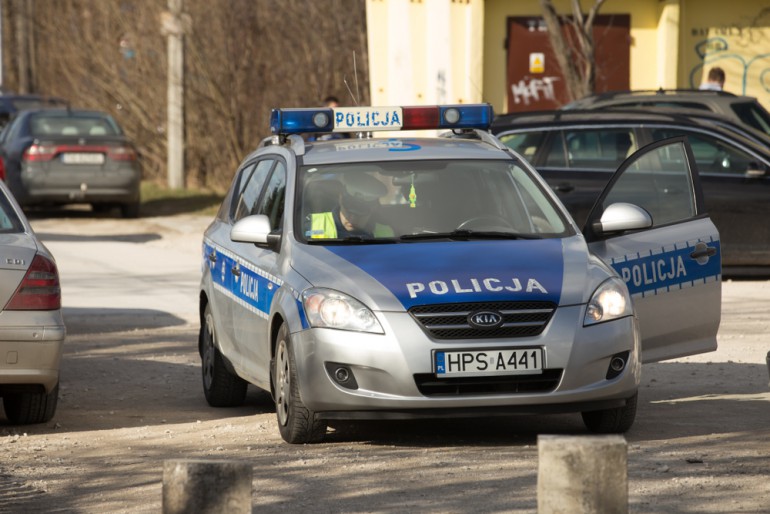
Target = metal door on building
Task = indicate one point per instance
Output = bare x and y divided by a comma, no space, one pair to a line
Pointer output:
535,81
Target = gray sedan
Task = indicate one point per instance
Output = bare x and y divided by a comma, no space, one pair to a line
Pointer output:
68,156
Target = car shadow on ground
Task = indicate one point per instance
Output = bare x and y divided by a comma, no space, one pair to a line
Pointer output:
86,238
676,400
115,380
93,320
138,377
165,206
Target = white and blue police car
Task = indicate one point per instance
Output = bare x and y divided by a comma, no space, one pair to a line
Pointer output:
397,277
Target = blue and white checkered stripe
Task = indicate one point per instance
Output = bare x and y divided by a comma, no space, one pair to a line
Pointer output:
669,267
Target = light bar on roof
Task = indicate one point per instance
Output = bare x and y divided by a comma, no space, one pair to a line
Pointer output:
373,119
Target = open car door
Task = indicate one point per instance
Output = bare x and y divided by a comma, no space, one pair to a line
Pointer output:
649,224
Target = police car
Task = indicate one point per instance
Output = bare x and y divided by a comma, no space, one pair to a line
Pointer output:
401,277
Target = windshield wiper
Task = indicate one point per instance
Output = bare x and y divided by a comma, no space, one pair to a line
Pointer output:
353,240
466,235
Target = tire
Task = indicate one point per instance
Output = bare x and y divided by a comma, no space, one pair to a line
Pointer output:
221,387
31,408
297,423
612,421
101,208
130,210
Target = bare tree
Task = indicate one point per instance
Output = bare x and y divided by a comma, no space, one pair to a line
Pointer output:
242,58
574,48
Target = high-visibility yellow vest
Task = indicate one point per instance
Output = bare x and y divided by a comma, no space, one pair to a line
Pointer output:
322,227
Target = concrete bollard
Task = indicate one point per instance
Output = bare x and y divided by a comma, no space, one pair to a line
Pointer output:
582,475
206,487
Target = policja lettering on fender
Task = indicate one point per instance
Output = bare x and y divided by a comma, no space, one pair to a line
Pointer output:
474,285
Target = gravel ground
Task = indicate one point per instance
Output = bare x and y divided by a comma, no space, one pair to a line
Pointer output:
131,398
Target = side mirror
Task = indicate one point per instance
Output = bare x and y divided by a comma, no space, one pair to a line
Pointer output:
620,217
255,229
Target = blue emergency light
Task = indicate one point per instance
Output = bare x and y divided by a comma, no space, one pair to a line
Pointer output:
372,119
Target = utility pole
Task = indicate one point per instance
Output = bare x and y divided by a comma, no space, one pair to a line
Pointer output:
22,45
172,26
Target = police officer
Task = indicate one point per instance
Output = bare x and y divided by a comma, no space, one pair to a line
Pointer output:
355,214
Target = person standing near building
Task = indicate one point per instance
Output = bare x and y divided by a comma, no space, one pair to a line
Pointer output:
715,80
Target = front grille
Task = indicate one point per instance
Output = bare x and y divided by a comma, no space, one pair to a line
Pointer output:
429,385
450,320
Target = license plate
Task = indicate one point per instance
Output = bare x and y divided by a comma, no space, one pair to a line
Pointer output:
82,158
519,361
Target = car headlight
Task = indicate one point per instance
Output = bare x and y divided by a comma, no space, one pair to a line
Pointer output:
327,308
610,301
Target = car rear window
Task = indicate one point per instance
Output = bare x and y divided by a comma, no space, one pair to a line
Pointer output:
9,221
753,115
56,125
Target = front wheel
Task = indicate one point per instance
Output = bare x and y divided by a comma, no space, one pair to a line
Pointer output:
297,423
31,408
221,387
612,421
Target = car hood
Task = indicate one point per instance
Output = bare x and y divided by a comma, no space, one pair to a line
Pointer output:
396,277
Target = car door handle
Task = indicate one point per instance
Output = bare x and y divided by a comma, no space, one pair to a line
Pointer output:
706,251
212,256
235,270
564,188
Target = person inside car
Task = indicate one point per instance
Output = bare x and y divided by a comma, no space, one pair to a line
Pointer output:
355,214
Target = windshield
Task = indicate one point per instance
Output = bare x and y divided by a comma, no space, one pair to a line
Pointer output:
423,200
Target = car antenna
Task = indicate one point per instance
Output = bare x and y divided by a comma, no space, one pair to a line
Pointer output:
355,96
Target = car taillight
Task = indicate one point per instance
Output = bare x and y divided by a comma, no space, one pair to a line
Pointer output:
122,153
40,289
39,153
2,169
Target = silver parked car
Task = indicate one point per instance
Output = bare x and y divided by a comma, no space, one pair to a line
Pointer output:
400,277
31,326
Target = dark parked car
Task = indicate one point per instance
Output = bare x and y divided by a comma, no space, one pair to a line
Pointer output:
10,104
577,151
64,156
741,109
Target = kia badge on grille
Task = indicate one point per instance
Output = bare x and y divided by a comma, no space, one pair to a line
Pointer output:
485,319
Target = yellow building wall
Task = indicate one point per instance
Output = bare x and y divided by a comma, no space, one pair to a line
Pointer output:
454,51
732,35
644,45
425,51
673,43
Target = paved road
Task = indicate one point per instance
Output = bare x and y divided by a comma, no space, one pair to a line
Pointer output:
131,398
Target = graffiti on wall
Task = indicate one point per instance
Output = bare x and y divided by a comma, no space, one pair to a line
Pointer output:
530,90
738,46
